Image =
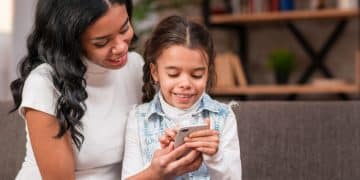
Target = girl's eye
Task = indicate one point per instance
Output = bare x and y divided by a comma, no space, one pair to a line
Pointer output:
172,75
197,76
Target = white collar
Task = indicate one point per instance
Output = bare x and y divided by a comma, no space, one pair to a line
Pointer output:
93,68
176,114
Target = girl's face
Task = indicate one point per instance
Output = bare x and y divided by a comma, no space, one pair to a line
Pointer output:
182,74
106,42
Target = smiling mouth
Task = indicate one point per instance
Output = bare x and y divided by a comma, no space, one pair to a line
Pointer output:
118,58
183,95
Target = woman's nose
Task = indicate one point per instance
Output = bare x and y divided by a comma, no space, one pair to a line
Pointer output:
120,46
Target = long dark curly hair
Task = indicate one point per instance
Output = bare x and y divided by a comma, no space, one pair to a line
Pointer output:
55,40
176,30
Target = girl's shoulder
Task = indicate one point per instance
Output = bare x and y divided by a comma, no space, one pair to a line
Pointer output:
143,108
217,108
214,104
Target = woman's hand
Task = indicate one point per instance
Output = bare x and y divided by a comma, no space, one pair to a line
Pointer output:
205,141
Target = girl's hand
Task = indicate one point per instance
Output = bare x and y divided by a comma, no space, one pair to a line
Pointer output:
167,137
205,141
168,163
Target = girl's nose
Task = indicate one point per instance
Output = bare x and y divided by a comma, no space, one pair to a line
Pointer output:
185,83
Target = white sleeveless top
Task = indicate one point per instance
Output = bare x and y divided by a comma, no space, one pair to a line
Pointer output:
111,94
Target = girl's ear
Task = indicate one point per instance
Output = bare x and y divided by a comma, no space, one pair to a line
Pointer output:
154,73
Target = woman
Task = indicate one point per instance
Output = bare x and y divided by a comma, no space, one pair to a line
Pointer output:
76,85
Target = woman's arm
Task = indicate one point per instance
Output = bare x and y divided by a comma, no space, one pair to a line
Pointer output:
54,156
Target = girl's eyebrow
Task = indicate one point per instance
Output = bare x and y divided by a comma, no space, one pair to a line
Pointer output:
199,69
106,36
171,67
176,68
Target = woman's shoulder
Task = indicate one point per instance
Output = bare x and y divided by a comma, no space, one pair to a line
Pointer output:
42,74
135,59
39,91
43,70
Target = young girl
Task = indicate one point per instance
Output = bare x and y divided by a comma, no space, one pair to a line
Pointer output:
76,86
179,60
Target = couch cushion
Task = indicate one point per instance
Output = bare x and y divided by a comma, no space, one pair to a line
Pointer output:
299,140
279,140
12,142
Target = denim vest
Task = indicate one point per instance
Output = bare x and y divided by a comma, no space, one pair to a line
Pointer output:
152,123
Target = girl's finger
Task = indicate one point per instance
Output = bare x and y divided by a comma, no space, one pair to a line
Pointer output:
201,133
201,144
207,121
207,151
205,139
170,133
164,139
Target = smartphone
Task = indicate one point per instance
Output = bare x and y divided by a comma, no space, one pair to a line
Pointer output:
185,131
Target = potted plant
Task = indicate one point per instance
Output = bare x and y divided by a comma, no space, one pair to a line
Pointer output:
282,62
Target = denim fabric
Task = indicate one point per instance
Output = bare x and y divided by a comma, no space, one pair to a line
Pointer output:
152,123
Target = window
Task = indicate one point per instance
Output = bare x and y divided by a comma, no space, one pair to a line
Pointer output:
6,16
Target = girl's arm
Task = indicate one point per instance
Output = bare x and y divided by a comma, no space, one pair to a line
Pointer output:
226,163
54,156
221,153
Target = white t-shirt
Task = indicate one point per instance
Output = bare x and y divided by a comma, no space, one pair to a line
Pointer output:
111,94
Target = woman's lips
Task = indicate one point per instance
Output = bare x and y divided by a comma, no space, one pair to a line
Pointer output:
119,61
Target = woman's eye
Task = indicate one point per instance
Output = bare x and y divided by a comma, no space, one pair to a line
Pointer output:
100,44
124,30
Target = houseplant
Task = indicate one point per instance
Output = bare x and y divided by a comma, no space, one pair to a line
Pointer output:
282,62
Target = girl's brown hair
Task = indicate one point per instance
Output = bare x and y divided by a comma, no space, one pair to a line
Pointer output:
176,30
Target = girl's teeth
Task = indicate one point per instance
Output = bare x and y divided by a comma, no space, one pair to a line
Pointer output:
182,95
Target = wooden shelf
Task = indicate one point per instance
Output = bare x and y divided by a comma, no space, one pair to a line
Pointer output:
282,16
285,89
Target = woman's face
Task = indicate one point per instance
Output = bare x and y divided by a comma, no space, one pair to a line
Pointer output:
106,42
182,74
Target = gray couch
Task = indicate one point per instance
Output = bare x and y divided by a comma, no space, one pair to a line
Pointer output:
279,140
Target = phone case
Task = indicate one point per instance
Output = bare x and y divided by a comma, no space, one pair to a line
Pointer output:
185,131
